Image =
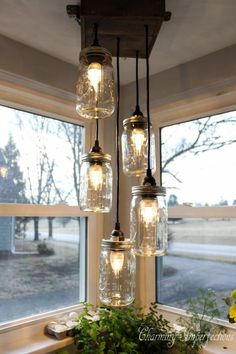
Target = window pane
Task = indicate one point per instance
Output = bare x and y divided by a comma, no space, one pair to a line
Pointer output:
37,155
43,275
199,169
199,161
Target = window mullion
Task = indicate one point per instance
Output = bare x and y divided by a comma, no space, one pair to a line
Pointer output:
40,210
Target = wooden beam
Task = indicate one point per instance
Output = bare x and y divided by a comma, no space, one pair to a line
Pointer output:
125,19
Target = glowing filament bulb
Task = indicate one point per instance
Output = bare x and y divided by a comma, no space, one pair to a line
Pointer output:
149,212
96,176
117,261
95,75
137,138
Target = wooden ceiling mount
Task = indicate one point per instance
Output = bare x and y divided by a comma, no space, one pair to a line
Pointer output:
124,19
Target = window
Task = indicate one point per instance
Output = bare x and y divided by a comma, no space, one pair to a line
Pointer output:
199,171
43,157
42,250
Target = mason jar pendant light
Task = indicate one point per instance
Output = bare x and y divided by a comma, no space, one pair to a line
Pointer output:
135,140
117,259
96,180
148,216
95,85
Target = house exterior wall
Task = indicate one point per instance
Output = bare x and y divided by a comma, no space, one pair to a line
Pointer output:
6,234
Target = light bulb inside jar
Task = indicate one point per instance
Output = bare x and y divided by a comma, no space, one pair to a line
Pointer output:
117,261
138,137
149,212
95,75
95,175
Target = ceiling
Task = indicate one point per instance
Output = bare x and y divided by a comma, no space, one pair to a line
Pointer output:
196,28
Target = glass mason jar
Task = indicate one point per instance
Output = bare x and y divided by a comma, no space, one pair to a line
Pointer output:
96,182
95,87
148,220
134,142
117,273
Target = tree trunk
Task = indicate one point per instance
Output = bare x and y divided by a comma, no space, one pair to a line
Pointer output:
78,219
36,229
50,227
24,227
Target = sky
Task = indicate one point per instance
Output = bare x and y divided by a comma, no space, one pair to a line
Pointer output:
31,146
207,178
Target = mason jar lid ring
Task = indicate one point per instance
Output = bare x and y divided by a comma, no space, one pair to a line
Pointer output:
148,191
96,157
117,245
136,121
95,54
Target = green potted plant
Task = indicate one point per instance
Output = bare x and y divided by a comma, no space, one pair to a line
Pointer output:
130,331
120,330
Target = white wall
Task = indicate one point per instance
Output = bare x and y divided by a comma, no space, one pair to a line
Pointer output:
27,62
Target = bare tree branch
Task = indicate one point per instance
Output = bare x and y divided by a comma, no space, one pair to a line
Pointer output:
173,175
207,139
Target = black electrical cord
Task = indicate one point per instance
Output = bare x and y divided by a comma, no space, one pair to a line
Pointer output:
117,234
137,111
118,135
149,179
95,41
137,83
148,107
97,127
96,147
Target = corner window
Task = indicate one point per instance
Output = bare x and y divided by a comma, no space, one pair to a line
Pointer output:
199,171
42,250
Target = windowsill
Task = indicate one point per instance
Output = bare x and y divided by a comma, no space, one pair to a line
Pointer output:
30,339
40,344
172,313
27,336
213,347
219,348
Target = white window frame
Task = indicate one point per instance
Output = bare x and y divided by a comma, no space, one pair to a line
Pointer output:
167,118
27,95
